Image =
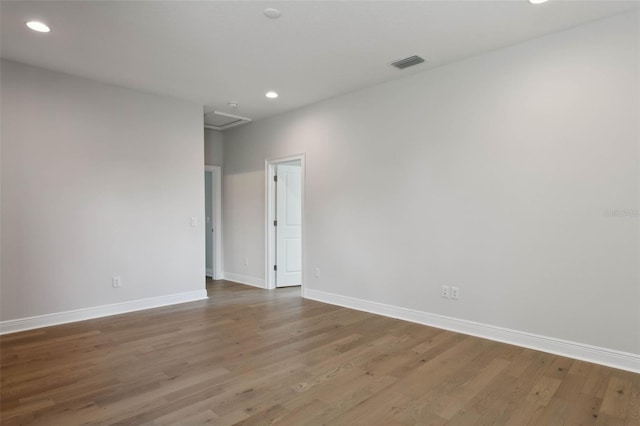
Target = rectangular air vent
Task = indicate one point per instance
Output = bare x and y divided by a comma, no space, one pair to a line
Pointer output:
217,120
408,62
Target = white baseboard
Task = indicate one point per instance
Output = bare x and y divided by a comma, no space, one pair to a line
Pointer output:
584,352
29,323
245,279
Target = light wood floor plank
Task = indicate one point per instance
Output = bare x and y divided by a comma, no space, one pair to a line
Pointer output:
253,357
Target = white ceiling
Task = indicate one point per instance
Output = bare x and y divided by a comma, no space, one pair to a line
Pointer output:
219,51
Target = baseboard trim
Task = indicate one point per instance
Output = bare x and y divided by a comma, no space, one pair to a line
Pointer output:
245,279
47,320
609,357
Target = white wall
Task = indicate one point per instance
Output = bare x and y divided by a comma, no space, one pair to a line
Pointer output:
213,147
492,174
97,181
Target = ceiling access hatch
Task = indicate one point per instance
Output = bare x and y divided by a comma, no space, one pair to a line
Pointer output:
217,120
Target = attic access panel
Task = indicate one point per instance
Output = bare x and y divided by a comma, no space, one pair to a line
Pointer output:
217,120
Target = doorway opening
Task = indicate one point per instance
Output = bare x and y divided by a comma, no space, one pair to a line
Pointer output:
213,221
285,222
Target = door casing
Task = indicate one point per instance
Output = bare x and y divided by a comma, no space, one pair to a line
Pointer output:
270,206
216,199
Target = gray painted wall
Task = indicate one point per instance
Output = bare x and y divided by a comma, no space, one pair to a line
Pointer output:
97,181
213,147
494,174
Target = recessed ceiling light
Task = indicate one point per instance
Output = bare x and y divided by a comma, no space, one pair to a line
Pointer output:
538,1
38,26
271,94
272,13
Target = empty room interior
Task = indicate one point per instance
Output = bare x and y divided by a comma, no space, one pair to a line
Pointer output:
320,212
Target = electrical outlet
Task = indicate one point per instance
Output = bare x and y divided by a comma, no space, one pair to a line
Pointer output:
246,261
455,293
116,282
444,291
194,221
316,272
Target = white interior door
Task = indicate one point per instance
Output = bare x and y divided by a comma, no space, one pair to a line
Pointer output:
288,225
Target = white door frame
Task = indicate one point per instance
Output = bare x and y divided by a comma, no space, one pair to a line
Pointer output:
216,199
270,208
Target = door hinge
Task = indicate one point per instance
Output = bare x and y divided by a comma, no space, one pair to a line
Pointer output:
275,178
275,267
275,223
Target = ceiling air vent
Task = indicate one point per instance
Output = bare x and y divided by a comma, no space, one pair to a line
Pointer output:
408,62
217,120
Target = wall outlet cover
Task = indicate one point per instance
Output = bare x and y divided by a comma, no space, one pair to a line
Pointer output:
444,291
116,282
